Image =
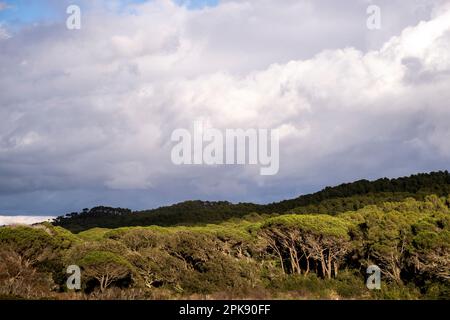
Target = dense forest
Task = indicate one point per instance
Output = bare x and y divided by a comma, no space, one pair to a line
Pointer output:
313,247
331,200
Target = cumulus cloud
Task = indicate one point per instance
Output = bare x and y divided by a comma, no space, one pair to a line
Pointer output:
3,33
27,220
86,117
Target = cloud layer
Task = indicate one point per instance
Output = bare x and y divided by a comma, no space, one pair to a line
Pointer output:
86,116
10,220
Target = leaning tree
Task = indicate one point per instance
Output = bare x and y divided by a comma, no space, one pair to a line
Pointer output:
302,241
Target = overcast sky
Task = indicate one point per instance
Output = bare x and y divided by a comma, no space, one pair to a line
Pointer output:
86,115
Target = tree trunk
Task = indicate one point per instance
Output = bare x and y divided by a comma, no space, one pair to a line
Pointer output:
307,266
323,265
102,284
329,269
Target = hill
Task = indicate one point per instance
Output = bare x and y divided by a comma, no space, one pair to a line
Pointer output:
288,256
331,200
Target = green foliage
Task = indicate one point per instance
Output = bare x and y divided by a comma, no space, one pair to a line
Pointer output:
392,291
93,234
31,243
346,286
316,247
332,201
318,224
102,257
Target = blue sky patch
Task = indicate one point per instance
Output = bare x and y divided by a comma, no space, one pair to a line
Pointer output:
19,12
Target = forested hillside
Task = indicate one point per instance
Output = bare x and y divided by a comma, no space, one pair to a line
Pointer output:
331,200
288,256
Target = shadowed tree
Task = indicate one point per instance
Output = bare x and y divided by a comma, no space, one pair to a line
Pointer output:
307,239
106,267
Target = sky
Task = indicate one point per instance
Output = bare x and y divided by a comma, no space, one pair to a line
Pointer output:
86,115
34,11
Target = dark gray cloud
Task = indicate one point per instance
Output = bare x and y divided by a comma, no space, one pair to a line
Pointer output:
86,116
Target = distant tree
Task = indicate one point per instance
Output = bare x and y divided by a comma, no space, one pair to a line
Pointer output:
331,200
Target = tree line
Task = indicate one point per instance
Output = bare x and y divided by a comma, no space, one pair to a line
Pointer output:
260,256
331,200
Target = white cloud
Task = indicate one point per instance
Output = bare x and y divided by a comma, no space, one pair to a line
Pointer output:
93,110
27,220
4,33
